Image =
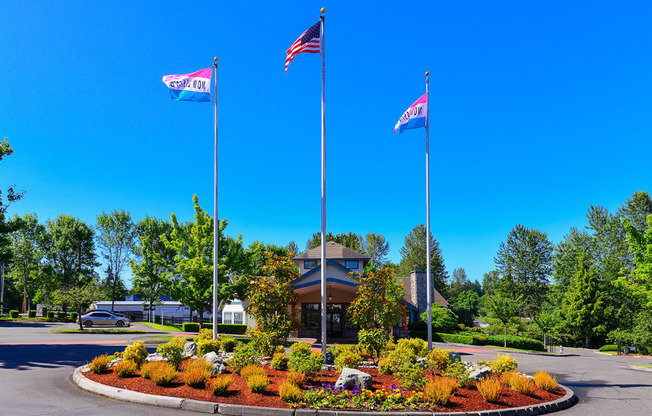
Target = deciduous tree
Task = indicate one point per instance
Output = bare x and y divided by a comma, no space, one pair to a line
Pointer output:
27,255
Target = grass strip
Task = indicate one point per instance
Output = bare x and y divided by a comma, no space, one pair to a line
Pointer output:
98,331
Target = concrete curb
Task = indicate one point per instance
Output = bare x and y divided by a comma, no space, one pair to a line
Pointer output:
79,380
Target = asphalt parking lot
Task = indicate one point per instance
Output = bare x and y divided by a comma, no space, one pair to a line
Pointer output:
36,365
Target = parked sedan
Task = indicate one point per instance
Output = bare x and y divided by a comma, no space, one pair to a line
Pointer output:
103,318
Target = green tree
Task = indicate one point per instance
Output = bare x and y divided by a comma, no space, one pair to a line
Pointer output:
257,253
270,295
524,262
192,276
350,240
639,280
504,310
153,264
583,307
7,227
293,248
116,236
567,254
79,297
413,257
376,247
443,319
467,306
27,255
69,249
377,304
547,321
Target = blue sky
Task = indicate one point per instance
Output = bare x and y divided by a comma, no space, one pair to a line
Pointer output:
538,109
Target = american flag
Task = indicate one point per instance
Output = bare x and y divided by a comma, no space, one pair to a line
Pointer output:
307,42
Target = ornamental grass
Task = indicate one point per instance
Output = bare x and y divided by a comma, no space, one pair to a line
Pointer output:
524,385
125,369
489,388
439,390
100,364
252,370
290,392
147,368
545,381
220,385
164,375
297,378
197,373
257,383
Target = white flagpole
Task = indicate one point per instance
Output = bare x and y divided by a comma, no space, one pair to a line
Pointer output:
216,220
322,50
428,266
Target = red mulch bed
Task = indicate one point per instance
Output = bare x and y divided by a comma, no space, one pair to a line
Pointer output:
464,400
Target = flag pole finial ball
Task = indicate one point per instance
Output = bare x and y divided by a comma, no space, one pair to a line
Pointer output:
216,59
427,73
323,10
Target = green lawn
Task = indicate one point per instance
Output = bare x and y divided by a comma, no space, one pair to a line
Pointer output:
166,327
516,349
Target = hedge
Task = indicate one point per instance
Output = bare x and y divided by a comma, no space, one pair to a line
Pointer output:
13,314
227,328
32,314
50,315
61,315
190,327
440,337
608,347
516,342
73,316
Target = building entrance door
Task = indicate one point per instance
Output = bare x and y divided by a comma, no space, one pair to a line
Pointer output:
334,324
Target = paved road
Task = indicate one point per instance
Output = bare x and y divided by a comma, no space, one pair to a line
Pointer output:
35,369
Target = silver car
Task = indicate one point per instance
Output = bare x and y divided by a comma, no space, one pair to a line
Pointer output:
103,318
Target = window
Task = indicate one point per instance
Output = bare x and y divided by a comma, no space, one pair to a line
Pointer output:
227,318
237,317
351,264
310,264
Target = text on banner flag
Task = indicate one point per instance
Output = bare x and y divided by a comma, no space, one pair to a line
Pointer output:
190,87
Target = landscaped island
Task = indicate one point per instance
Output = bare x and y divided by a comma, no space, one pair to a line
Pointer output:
403,376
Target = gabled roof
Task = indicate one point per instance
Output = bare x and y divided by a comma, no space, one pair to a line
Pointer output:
333,251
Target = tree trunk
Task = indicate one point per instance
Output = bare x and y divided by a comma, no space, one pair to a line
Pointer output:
505,339
115,281
79,317
586,342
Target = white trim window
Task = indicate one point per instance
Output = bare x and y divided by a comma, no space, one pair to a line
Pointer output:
227,318
237,318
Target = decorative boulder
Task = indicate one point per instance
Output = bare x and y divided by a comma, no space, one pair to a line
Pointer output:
217,361
218,368
352,378
455,357
480,373
422,362
328,358
190,349
155,357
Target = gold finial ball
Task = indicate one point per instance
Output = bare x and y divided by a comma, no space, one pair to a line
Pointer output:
323,10
216,59
427,73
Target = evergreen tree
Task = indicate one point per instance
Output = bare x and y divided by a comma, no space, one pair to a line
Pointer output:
413,257
376,247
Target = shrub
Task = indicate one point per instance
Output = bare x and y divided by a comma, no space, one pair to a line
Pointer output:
503,363
250,370
243,354
401,354
32,314
206,346
608,347
418,346
204,335
147,368
348,357
386,366
438,360
99,364
13,314
279,361
190,327
157,319
509,378
279,348
50,315
459,372
125,369
73,315
163,375
289,392
173,350
373,341
440,390
523,385
297,378
257,383
220,384
229,344
196,373
61,315
132,317
489,388
410,376
136,353
303,360
545,381
231,328
457,339
44,312
516,342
